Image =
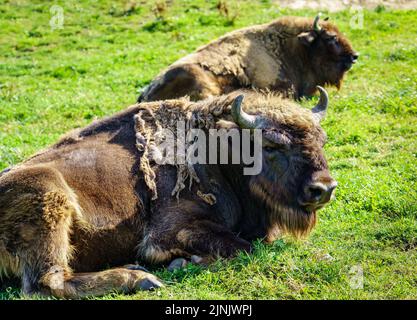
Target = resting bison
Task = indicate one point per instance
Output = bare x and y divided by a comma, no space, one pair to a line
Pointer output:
97,198
291,55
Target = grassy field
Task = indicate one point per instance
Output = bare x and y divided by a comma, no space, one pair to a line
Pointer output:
53,80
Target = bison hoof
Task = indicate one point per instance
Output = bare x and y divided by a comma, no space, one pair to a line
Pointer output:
135,267
149,284
197,259
179,263
202,261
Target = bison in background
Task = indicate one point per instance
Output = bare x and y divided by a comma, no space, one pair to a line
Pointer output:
97,198
291,55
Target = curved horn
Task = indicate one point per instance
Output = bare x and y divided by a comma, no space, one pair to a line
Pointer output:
244,120
316,26
319,111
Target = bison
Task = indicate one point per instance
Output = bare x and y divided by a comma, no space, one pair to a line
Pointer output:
98,198
291,55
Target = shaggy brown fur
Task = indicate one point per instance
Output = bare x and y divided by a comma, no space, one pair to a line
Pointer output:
286,55
97,198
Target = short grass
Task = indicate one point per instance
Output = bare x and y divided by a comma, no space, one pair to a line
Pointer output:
55,80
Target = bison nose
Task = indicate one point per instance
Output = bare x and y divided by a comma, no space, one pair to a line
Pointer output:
317,194
354,57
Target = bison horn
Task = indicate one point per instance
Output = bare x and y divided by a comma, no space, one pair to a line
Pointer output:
316,26
319,111
244,120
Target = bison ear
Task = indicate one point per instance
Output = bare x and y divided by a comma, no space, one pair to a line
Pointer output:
307,38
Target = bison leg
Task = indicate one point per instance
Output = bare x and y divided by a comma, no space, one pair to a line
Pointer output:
209,239
187,80
37,212
78,285
201,238
45,252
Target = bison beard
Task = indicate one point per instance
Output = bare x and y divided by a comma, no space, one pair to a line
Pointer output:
98,199
288,219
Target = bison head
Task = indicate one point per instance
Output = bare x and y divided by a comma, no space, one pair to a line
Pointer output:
295,181
329,51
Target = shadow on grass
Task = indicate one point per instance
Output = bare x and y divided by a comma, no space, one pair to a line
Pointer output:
262,253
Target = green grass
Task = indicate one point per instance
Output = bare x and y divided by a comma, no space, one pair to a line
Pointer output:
54,80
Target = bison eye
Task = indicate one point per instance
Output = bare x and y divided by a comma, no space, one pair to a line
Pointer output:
269,149
332,40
